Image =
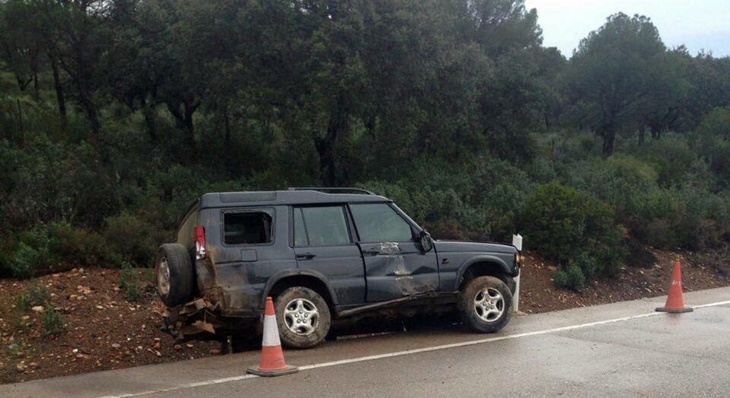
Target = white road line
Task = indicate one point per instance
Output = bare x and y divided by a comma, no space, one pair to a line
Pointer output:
410,352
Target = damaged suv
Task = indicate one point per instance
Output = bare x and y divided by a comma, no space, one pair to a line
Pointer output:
323,255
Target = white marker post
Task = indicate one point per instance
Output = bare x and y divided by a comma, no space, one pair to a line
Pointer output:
517,242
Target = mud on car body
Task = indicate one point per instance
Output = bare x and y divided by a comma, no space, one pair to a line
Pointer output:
324,256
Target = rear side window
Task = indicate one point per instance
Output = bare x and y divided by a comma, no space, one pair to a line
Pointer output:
320,226
247,228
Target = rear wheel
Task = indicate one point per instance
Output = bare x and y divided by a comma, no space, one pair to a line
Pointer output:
174,274
303,317
485,304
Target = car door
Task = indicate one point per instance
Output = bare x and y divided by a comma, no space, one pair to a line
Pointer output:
395,266
323,244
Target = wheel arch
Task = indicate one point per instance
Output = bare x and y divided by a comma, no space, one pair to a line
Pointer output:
311,280
483,266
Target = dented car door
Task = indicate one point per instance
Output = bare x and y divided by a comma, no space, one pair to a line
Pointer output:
395,266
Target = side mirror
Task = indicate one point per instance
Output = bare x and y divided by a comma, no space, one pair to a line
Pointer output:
425,241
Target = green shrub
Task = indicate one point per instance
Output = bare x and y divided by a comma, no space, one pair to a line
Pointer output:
32,256
129,283
129,238
36,295
52,321
573,228
571,278
670,156
623,182
77,246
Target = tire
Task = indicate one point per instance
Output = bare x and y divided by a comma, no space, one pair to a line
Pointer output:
485,304
302,316
174,275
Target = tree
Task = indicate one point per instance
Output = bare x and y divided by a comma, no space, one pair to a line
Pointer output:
614,73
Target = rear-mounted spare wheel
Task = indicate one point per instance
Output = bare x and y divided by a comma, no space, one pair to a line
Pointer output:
174,274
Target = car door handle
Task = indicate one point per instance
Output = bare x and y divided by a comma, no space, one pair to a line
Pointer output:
305,256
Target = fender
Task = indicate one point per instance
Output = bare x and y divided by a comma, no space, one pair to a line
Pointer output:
492,260
296,272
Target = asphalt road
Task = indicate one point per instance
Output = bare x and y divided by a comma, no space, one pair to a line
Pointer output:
617,350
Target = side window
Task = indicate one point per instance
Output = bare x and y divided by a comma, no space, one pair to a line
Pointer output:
379,222
320,226
247,228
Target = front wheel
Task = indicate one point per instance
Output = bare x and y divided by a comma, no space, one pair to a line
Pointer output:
485,304
302,316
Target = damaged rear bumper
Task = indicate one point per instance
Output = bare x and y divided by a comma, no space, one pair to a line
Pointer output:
200,319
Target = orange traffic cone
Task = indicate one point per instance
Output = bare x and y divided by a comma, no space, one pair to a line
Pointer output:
272,356
675,302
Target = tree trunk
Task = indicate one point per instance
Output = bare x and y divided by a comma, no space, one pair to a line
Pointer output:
150,119
60,96
87,104
325,149
183,112
339,125
607,131
656,131
226,125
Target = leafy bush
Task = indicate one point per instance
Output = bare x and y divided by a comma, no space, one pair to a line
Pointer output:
32,256
570,278
77,246
130,238
36,295
129,283
670,156
574,229
52,321
623,182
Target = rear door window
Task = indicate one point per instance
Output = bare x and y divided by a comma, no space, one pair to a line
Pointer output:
320,226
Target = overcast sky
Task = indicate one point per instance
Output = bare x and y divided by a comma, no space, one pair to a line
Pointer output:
699,25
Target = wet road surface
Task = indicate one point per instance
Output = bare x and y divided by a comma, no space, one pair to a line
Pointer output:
617,350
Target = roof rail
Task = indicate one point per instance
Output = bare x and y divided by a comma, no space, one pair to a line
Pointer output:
333,190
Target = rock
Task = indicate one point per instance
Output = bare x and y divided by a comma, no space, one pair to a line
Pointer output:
156,345
215,351
21,367
33,366
116,346
83,290
38,308
178,347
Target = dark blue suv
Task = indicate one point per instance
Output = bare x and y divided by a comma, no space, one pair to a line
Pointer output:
323,255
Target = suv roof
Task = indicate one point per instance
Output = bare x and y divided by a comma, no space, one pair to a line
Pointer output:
288,197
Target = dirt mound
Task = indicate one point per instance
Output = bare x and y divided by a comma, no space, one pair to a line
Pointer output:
111,319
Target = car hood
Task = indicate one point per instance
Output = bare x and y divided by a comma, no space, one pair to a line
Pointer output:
452,246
